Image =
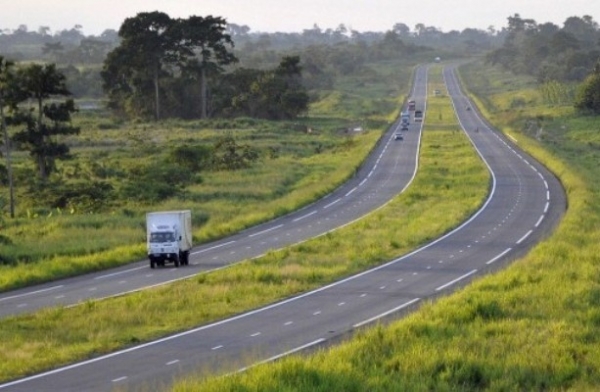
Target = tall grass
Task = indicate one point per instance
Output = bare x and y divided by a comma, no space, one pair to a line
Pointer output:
451,184
533,326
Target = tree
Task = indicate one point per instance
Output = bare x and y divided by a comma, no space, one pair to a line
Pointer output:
41,83
158,52
146,45
276,94
205,44
401,29
5,85
55,50
588,97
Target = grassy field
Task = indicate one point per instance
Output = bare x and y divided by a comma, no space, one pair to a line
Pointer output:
532,327
295,166
451,184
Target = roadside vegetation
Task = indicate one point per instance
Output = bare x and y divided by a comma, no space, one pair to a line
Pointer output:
451,184
533,326
232,174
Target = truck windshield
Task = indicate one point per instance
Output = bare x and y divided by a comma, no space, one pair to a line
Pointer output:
162,237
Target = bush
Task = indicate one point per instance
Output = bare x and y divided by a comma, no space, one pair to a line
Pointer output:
157,182
229,155
88,196
191,157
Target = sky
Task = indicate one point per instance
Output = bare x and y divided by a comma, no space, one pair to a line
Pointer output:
294,15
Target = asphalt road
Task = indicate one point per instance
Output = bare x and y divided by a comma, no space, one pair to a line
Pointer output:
524,204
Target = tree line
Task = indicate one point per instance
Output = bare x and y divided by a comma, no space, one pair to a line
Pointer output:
166,67
547,51
556,56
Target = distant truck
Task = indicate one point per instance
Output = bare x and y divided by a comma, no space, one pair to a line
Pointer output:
412,105
169,237
405,118
418,116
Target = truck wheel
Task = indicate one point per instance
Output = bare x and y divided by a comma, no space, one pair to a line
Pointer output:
186,258
176,261
152,264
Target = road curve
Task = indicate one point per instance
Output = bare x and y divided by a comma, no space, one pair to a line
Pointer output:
524,204
388,170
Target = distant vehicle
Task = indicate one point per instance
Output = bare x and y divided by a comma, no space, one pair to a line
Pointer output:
437,59
418,116
398,136
404,127
405,118
412,105
468,108
169,237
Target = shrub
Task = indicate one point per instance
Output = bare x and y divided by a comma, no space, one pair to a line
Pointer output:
192,157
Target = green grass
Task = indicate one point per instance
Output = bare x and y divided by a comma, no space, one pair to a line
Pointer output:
451,184
295,168
535,326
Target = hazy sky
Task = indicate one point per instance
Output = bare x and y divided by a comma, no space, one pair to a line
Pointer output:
294,15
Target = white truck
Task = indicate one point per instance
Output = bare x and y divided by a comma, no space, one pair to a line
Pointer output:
405,118
169,237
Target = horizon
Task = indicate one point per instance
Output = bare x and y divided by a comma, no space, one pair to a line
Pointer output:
271,16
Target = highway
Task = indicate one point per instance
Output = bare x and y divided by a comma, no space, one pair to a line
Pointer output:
525,203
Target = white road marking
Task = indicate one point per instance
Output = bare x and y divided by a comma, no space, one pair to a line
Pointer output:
31,293
304,216
524,237
313,343
540,220
456,280
212,247
412,301
351,191
266,231
499,256
332,203
119,273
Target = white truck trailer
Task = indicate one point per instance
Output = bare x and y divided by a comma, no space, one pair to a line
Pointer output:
169,237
